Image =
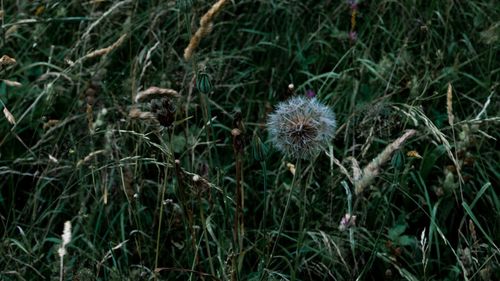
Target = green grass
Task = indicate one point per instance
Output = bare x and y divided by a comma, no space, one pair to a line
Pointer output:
229,208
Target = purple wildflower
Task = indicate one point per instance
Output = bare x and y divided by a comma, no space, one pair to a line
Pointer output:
310,93
353,36
353,4
347,221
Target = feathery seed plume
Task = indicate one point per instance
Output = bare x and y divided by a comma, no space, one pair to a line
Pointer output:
301,127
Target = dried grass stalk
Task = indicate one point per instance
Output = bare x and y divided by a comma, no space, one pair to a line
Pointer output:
155,92
485,106
356,170
9,116
291,168
104,51
449,104
90,156
373,168
136,113
416,114
341,167
6,60
214,10
51,123
12,83
195,40
204,29
11,30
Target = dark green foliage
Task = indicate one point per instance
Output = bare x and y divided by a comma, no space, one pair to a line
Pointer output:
161,202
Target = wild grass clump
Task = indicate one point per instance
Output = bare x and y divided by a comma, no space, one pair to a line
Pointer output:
167,133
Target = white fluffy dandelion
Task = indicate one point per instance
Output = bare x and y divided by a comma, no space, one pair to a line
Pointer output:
301,127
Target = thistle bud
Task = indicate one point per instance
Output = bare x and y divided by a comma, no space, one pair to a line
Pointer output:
203,82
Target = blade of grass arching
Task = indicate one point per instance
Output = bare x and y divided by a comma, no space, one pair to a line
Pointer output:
372,67
327,76
98,222
216,239
433,231
479,194
123,232
376,243
493,194
402,271
480,83
18,244
417,178
474,219
430,157
205,237
438,231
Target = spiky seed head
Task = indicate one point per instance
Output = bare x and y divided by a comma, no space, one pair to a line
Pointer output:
66,238
301,127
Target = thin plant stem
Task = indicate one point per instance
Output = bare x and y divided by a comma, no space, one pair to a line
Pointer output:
61,269
205,237
349,211
285,212
158,233
264,213
300,239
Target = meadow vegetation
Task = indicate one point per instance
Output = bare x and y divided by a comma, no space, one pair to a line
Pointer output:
136,141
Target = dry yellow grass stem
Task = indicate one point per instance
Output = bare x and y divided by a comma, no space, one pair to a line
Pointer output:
291,168
9,116
51,123
90,156
6,60
136,113
155,92
416,114
449,104
373,168
204,29
12,83
104,51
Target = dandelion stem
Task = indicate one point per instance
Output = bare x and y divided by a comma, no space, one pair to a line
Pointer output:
303,203
289,199
61,269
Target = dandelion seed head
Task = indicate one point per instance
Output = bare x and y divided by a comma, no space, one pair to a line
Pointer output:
301,127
